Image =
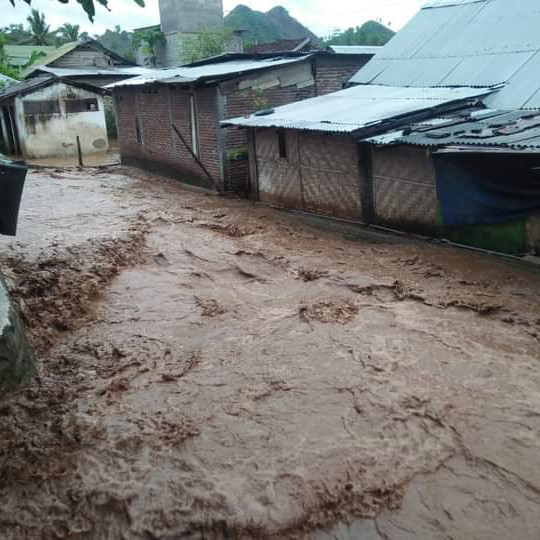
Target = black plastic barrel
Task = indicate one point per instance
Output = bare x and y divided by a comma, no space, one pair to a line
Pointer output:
12,177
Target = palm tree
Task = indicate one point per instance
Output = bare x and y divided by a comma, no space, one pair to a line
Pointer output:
39,30
69,32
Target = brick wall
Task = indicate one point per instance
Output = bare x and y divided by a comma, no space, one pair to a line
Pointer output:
156,108
319,173
333,71
126,113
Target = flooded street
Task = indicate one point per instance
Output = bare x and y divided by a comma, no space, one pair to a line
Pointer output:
214,369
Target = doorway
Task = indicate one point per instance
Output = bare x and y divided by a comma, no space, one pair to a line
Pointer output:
12,134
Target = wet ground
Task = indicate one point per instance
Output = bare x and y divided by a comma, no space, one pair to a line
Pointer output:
214,369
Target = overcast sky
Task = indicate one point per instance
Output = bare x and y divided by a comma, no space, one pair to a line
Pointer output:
321,16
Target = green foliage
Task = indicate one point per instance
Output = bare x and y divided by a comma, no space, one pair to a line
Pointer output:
69,32
15,34
118,41
370,33
110,117
207,43
266,27
148,41
88,5
38,29
258,27
238,153
258,100
5,69
34,57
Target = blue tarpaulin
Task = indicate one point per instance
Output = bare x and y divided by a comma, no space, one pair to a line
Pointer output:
487,188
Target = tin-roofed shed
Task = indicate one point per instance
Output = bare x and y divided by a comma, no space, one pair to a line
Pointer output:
307,152
169,119
43,117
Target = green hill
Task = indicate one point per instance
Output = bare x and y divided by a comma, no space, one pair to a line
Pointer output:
370,33
266,27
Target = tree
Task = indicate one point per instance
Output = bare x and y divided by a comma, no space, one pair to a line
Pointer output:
39,30
148,41
118,41
69,32
5,69
205,44
15,33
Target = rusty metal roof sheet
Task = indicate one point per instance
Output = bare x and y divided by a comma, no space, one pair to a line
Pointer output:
201,73
466,43
504,129
359,107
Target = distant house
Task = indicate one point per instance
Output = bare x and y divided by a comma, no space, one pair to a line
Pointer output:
62,98
194,100
85,61
43,117
440,132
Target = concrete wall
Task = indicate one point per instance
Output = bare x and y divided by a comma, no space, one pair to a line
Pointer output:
48,135
319,173
189,16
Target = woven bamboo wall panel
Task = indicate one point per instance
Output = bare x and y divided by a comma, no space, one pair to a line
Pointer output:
332,153
406,163
401,202
279,184
334,194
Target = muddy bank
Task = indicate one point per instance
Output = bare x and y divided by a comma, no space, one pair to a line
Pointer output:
233,372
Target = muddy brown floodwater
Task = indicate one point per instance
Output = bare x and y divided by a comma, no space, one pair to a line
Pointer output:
214,369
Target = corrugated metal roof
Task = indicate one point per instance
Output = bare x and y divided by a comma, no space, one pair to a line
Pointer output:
199,73
514,129
66,48
356,49
466,43
25,87
19,55
30,85
359,107
128,71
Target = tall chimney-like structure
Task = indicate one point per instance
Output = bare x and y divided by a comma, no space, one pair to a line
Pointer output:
182,19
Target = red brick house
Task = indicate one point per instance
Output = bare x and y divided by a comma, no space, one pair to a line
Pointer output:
169,121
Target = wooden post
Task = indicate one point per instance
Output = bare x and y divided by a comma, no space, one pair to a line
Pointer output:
364,157
79,152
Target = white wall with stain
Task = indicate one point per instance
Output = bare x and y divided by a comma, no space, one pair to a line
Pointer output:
55,134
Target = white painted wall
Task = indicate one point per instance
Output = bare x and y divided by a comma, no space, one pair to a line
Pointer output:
51,135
